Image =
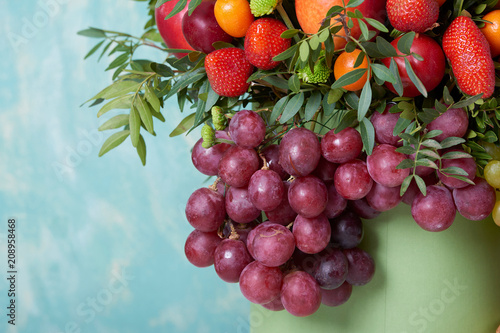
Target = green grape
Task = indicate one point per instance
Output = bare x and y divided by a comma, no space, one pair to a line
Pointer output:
496,213
492,149
492,173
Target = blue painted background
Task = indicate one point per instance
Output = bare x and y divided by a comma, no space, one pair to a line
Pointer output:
100,240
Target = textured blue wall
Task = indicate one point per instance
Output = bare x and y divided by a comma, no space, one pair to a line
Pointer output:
100,240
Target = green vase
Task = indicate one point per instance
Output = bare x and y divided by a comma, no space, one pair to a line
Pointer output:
428,282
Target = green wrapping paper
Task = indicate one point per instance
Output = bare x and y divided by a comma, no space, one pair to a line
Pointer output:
424,282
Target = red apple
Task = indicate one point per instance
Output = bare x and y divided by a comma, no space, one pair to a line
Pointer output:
171,29
430,70
201,29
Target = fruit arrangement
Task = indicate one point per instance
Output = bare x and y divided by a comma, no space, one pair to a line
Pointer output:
315,115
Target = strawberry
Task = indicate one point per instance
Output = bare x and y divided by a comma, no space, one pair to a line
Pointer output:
228,71
263,42
412,15
469,54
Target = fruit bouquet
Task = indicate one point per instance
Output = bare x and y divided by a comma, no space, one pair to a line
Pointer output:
315,115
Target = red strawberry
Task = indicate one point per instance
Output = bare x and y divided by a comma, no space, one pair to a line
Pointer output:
412,15
263,42
228,71
469,53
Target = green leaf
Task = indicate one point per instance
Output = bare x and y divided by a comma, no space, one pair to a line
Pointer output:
451,141
292,107
466,102
452,155
192,6
328,107
312,105
304,51
286,54
113,141
431,144
398,85
429,153
416,81
432,134
490,136
354,3
367,135
184,125
212,98
334,95
447,97
352,100
405,184
385,47
405,42
365,100
95,48
453,170
323,35
421,184
122,102
117,89
376,24
141,150
405,164
145,113
185,80
179,6
294,83
120,60
314,42
92,33
346,120
201,105
276,81
115,122
383,73
426,163
278,109
152,98
290,33
135,126
407,150
409,138
349,77
364,29
161,69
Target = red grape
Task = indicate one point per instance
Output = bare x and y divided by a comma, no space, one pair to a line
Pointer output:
311,234
361,266
435,211
266,189
283,214
475,202
200,247
308,196
237,166
341,147
413,189
382,165
325,170
239,207
363,209
454,122
274,305
273,244
330,268
352,180
260,284
205,210
206,161
337,296
347,230
300,294
384,124
383,198
299,152
336,203
247,129
272,156
231,257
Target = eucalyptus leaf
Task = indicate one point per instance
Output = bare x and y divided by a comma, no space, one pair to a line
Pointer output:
376,24
290,33
113,141
304,51
349,77
405,42
292,107
421,184
312,105
451,141
367,135
294,83
383,73
152,98
278,108
414,79
365,100
184,125
141,150
135,126
398,85
405,185
385,47
115,122
145,113
122,102
452,155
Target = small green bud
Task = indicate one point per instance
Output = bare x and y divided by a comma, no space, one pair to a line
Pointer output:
218,118
262,7
208,136
320,75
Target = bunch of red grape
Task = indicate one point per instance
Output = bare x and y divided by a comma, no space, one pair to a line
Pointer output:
285,220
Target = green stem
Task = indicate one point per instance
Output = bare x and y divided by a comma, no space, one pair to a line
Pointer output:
287,20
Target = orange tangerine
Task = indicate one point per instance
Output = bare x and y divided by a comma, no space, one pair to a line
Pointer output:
233,16
492,31
345,64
